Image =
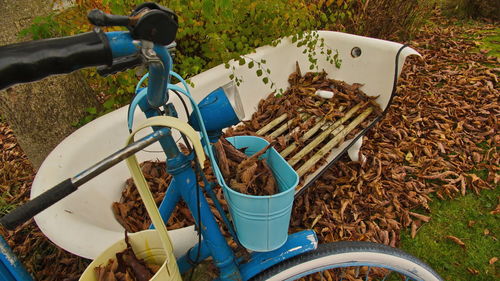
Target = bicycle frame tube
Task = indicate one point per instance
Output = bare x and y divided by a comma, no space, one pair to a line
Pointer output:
213,242
158,58
11,268
184,182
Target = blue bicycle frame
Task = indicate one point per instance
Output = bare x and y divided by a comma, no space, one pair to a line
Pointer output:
184,182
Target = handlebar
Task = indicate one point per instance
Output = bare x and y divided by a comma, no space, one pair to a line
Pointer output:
149,22
31,61
38,204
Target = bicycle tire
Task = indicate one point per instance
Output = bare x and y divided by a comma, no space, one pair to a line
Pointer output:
346,253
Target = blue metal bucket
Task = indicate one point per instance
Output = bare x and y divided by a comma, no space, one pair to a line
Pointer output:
261,222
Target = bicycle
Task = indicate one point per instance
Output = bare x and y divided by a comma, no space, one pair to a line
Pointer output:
151,29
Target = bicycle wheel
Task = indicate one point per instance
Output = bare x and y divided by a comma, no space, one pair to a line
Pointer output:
351,260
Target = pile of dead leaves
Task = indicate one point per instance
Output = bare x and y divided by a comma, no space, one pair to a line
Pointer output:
131,213
439,132
41,257
440,136
248,175
126,267
301,103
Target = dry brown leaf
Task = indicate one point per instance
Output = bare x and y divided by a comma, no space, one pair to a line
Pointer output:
413,229
420,216
222,159
493,260
252,159
247,174
496,211
473,271
456,240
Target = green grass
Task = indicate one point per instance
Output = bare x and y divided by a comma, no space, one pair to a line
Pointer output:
467,218
490,42
5,207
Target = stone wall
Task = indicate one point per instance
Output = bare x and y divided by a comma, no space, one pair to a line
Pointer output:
40,113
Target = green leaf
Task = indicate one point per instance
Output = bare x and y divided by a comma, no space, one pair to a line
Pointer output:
91,110
109,103
265,80
250,64
241,61
208,9
259,72
231,76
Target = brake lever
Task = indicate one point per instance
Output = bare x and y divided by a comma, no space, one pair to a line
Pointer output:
120,64
150,22
100,18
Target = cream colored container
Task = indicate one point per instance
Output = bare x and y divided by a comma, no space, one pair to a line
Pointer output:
147,245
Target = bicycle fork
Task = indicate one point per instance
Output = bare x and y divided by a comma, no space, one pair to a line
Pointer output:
185,182
184,185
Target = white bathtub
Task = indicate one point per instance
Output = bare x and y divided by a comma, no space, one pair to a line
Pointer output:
83,223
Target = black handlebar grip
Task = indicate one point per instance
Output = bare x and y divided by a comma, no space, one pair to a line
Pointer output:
31,61
120,64
31,208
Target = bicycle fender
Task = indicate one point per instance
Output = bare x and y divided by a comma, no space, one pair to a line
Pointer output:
297,243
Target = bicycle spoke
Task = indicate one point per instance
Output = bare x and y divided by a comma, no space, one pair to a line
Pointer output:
357,272
367,274
385,277
342,274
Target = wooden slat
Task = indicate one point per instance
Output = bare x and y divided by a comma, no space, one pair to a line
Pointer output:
287,125
319,139
333,142
309,134
272,124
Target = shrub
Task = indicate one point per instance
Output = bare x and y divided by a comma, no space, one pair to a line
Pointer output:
489,9
212,32
386,19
